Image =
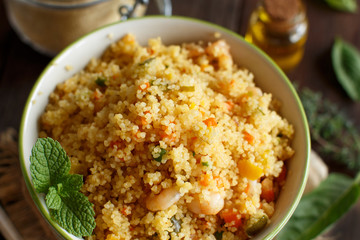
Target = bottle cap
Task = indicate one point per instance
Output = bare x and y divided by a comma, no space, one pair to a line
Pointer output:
282,10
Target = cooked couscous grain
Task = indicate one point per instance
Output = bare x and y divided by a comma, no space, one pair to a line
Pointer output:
174,142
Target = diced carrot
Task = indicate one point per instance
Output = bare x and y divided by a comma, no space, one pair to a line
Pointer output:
229,105
97,94
205,180
232,217
143,119
248,137
267,188
210,122
144,86
150,51
249,170
219,181
168,137
247,188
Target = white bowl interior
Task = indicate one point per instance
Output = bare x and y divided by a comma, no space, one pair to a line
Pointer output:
176,30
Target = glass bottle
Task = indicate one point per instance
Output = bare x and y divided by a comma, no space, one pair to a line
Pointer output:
280,28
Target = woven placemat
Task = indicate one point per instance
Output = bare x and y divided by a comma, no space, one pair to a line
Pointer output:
14,196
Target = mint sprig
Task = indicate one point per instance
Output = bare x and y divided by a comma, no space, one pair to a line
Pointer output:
49,168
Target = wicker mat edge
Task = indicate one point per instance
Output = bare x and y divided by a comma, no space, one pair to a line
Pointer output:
14,196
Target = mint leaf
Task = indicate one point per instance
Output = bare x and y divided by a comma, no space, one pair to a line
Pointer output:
49,163
76,214
70,183
53,199
49,168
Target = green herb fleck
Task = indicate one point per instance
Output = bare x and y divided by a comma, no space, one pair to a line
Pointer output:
101,82
49,169
346,63
162,153
261,111
205,164
146,61
193,153
218,235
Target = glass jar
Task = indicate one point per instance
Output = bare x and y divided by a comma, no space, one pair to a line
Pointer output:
280,28
50,25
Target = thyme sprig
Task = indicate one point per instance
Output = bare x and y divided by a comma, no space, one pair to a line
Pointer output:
333,134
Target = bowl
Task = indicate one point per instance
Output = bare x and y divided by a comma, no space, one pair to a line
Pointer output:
174,30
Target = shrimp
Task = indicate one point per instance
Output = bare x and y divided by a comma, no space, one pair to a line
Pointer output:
165,199
220,50
207,207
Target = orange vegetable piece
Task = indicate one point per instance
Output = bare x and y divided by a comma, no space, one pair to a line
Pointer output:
267,192
210,122
97,94
282,176
249,170
144,88
248,137
232,217
229,105
219,181
205,180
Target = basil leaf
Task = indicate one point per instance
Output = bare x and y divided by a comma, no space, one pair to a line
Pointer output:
49,163
346,63
343,5
319,209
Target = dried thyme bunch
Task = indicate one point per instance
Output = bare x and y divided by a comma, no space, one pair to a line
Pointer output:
332,132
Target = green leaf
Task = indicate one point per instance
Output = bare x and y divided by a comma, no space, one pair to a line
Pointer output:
101,82
70,183
333,133
75,214
319,209
343,5
346,63
53,199
48,163
50,166
162,153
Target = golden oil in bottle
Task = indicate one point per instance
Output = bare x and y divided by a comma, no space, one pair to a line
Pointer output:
280,27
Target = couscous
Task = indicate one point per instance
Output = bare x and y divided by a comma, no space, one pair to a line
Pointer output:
174,142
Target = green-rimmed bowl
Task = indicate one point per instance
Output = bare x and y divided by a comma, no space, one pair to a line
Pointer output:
174,30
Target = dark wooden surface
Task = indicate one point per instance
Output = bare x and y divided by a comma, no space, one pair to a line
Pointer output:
20,65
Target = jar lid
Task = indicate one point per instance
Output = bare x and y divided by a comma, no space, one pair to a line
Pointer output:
282,10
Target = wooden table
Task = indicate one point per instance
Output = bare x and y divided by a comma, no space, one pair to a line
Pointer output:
20,65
